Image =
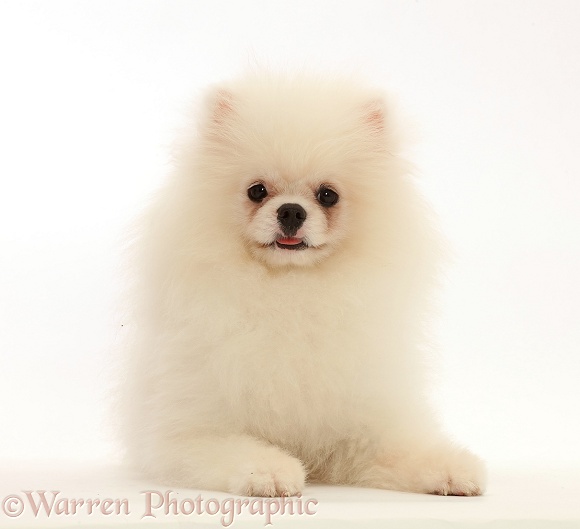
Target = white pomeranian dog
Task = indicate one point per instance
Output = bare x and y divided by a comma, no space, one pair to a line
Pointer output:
284,281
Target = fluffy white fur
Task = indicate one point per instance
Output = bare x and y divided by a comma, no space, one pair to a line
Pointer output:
254,368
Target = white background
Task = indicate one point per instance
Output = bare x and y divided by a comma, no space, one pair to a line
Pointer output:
90,93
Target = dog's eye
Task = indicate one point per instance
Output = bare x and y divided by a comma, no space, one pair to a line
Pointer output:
257,192
327,197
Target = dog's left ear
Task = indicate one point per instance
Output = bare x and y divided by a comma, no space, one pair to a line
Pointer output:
374,115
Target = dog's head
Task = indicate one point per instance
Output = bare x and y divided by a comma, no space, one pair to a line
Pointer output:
296,222
298,165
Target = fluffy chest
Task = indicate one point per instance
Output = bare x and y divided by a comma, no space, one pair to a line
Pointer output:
291,358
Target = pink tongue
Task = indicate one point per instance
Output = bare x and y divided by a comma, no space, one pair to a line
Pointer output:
290,240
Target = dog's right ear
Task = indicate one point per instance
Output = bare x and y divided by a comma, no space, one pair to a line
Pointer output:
220,112
221,105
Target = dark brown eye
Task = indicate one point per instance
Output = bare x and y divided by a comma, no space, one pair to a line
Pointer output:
257,192
327,197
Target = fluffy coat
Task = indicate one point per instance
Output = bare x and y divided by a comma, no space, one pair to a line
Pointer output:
254,368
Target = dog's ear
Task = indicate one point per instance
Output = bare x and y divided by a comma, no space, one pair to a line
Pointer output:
374,115
374,124
220,112
221,103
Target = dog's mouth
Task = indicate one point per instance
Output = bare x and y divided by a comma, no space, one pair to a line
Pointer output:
290,243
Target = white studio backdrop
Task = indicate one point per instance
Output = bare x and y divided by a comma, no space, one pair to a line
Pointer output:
90,95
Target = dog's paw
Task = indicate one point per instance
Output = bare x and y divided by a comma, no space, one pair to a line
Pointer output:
277,474
455,472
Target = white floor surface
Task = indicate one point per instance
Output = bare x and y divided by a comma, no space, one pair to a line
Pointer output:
524,498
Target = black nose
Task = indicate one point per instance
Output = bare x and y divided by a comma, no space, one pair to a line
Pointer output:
291,217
